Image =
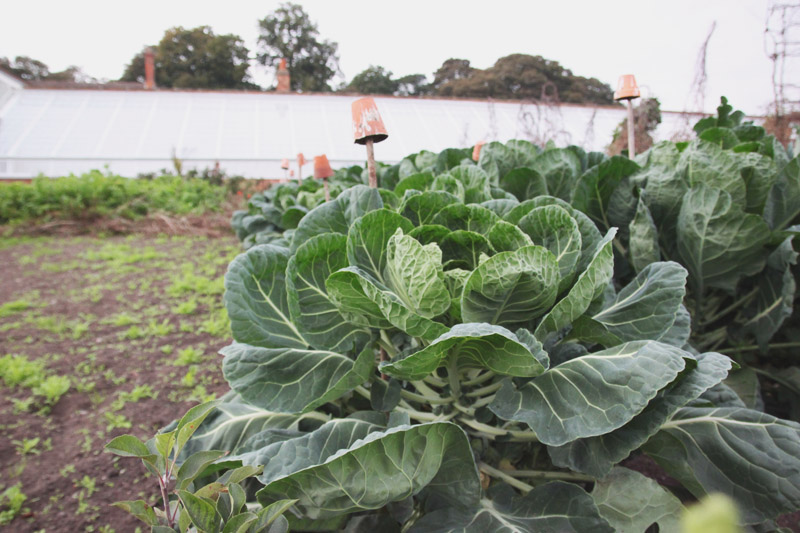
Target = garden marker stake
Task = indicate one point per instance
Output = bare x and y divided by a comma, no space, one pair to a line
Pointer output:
301,160
323,171
368,128
628,90
476,151
285,167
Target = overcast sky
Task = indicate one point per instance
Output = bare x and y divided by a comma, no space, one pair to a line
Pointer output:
657,40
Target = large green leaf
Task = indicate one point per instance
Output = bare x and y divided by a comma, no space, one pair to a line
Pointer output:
362,298
496,160
597,455
384,467
463,249
595,187
337,216
282,456
759,173
663,195
256,299
312,311
476,345
552,226
590,235
501,207
412,272
477,184
647,307
511,288
775,297
593,394
643,238
232,423
750,456
561,168
473,218
368,238
506,237
590,284
418,182
706,164
717,242
631,503
783,201
554,507
524,183
289,380
420,209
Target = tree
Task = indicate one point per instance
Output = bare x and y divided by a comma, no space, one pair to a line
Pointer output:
451,70
373,80
30,69
196,58
413,85
519,76
289,33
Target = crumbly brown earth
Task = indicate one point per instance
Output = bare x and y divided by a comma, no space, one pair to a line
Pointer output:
135,324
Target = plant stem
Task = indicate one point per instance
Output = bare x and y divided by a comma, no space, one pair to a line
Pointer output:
425,417
387,344
544,474
436,382
492,432
738,303
452,377
492,471
170,519
753,347
486,376
489,389
424,399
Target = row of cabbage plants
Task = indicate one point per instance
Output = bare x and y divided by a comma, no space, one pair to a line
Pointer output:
483,346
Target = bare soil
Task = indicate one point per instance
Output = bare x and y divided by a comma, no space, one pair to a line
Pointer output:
104,312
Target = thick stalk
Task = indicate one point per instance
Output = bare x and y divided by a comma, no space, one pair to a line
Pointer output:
753,348
543,474
484,377
499,474
492,432
452,377
744,300
419,398
489,389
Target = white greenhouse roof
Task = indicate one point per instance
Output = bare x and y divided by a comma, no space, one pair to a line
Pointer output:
56,132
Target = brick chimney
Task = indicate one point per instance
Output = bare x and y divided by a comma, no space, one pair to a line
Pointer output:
149,69
284,79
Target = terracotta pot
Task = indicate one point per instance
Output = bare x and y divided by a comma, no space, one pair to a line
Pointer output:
284,164
301,160
476,151
367,122
322,168
627,88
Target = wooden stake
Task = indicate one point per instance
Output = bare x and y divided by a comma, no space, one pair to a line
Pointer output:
327,190
373,175
631,137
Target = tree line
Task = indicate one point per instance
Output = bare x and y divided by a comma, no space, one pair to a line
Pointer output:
199,58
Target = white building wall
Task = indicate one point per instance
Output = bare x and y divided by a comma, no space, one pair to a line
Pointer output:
59,132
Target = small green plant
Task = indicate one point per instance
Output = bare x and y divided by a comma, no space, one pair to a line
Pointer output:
186,308
11,308
216,506
27,446
12,499
52,388
19,370
133,333
188,356
117,421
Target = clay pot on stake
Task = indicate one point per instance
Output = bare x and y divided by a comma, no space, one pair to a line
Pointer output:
628,90
368,129
301,160
476,151
285,167
323,171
